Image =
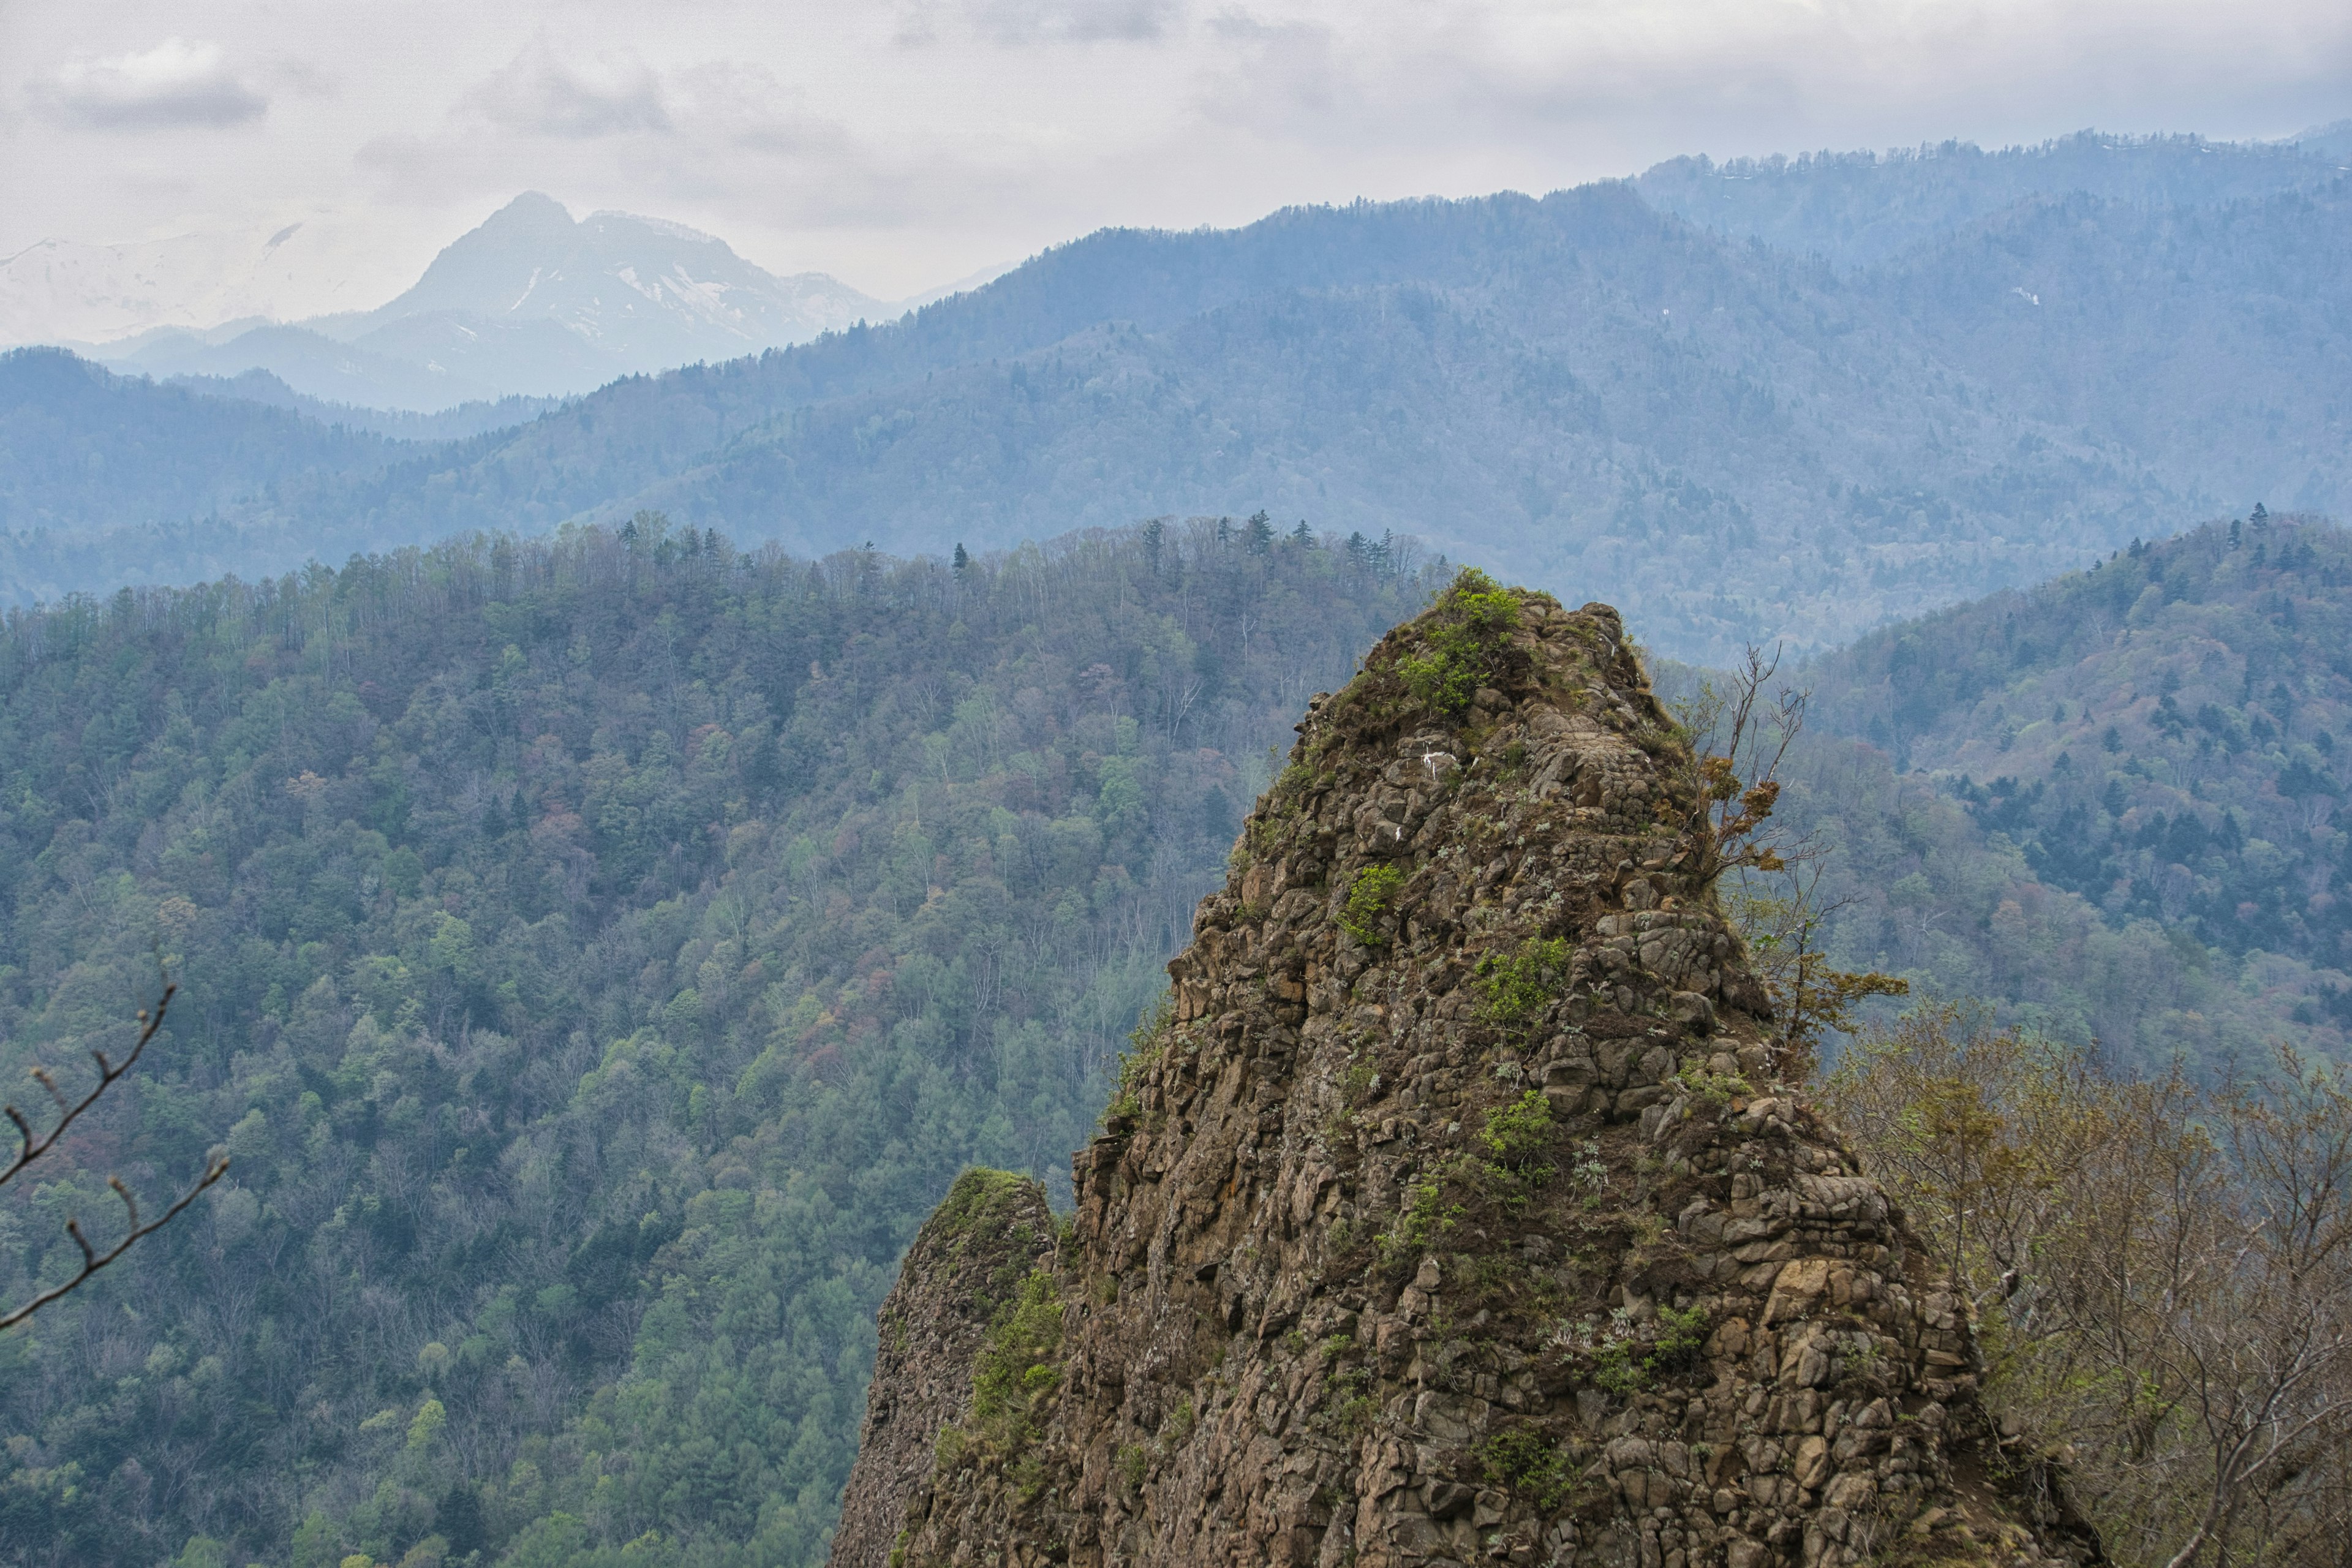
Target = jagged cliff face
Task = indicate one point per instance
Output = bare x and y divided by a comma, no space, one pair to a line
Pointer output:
1450,1217
968,1263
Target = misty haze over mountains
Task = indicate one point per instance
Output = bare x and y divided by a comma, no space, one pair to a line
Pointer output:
531,303
1787,399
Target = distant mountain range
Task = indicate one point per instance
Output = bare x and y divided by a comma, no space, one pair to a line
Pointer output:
1734,439
529,303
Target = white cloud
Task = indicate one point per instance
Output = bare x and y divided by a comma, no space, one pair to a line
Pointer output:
177,85
545,93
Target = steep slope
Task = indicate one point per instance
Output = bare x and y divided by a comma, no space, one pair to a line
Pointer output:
967,1264
1451,1214
2154,746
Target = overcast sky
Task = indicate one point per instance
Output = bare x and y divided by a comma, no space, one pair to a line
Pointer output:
900,143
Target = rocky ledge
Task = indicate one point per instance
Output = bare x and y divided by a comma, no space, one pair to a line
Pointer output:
1450,1215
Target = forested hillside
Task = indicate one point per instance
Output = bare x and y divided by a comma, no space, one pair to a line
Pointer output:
597,956
449,425
1732,443
2112,804
1855,208
82,449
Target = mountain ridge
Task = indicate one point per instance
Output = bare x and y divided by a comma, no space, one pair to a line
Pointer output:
1616,390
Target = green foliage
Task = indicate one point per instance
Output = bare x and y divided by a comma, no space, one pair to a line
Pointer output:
1682,1331
1018,1368
1628,1358
1367,899
1516,987
609,952
1143,1047
1351,1401
1425,1217
1717,1089
1465,643
1525,1459
1518,1136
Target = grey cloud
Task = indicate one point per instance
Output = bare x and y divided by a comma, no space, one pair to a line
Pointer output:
176,86
1517,89
1025,22
542,92
746,105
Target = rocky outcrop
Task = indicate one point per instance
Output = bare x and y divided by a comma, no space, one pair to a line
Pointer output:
1451,1217
967,1263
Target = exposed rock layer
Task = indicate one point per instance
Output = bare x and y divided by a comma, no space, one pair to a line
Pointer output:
967,1262
1388,1259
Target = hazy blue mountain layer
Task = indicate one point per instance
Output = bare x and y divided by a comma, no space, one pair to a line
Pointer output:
1731,442
449,425
81,448
1859,207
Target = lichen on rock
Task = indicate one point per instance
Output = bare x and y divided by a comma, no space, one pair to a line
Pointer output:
1448,1215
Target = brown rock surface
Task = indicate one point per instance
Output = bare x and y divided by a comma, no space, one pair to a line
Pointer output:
969,1259
1449,1218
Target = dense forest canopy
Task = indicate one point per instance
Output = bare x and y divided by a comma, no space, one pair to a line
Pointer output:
597,955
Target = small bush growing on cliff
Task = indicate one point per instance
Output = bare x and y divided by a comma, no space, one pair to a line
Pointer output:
1524,1459
1516,987
1367,901
1624,1366
1518,1136
1018,1368
1143,1047
1425,1216
1466,642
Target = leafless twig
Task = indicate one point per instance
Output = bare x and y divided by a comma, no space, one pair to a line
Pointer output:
31,1147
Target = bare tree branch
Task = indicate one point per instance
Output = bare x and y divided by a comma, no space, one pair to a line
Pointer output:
31,1147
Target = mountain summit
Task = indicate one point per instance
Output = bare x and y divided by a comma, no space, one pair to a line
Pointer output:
529,302
651,292
1451,1214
